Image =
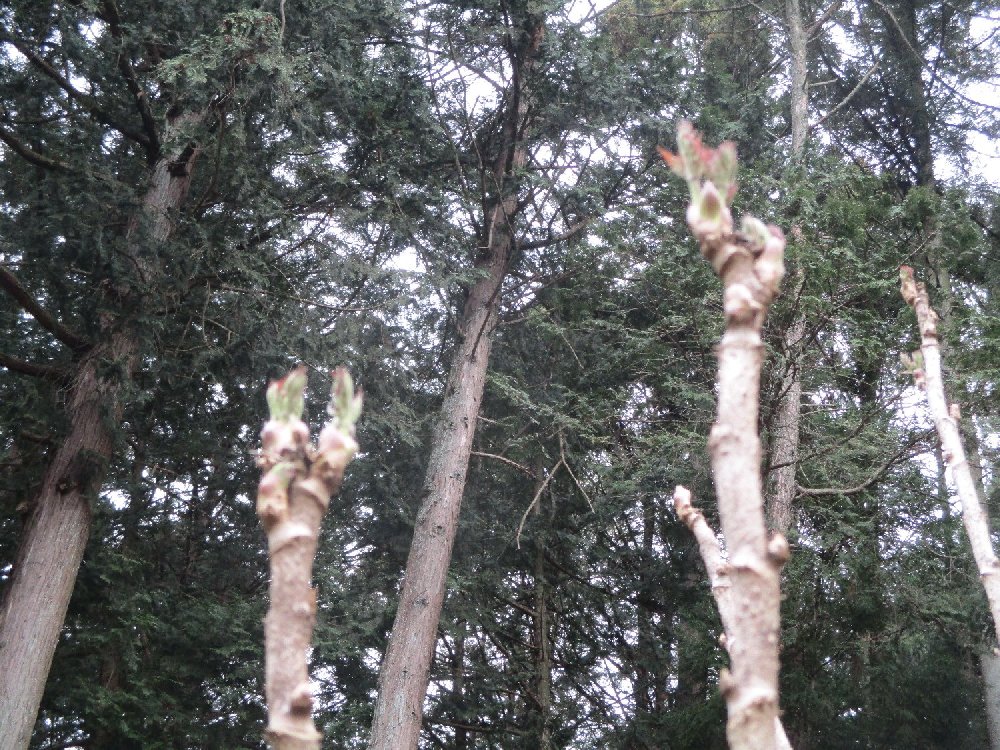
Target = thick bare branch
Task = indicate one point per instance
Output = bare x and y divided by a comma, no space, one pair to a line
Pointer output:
750,264
292,498
30,368
30,155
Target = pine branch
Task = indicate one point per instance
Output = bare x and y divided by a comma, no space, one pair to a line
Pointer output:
32,156
86,101
139,95
12,285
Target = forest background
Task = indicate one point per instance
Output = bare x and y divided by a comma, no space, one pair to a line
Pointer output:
197,196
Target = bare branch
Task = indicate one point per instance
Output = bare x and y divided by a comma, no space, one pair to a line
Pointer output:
851,94
86,101
925,366
504,459
535,499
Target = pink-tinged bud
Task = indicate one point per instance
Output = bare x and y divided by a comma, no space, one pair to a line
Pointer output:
275,482
756,232
770,266
276,436
284,437
285,395
300,433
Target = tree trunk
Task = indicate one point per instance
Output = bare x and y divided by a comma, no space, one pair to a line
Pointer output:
541,625
458,688
990,665
53,541
785,430
406,666
785,426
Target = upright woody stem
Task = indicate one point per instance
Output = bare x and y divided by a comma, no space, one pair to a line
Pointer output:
925,366
746,586
292,497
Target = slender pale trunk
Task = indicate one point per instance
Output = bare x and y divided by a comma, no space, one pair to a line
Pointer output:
53,541
406,666
784,448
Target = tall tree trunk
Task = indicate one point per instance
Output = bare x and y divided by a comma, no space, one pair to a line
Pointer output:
542,636
989,663
406,666
52,544
458,688
645,666
784,448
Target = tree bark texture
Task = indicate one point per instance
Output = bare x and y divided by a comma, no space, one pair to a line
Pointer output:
55,536
927,373
990,665
542,637
405,670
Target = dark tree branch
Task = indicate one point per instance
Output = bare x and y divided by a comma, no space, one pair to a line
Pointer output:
12,285
568,234
86,101
30,368
139,94
30,155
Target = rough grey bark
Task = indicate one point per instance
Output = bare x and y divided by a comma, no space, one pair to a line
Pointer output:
405,670
542,637
53,541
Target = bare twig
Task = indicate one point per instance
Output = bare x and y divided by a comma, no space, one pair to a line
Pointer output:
536,498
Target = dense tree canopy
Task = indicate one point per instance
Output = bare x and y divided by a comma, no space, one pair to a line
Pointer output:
196,196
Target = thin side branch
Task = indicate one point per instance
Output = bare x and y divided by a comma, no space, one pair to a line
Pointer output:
535,499
30,155
87,102
30,368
